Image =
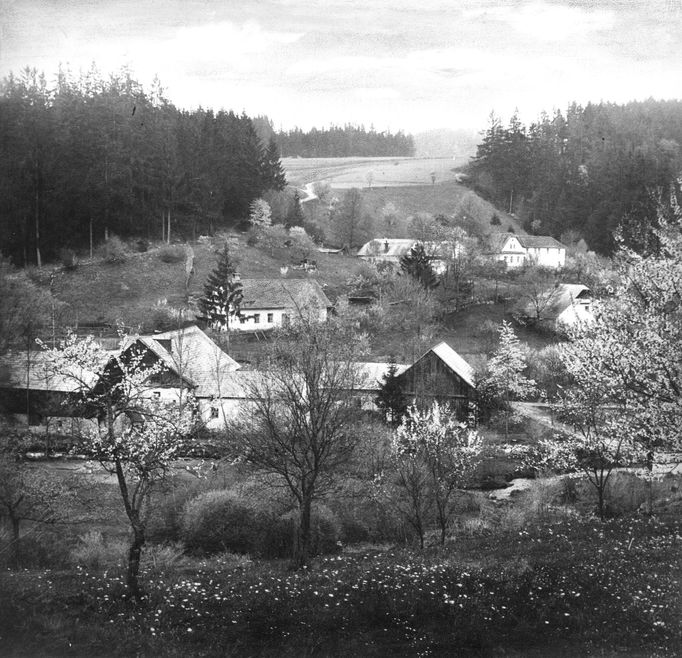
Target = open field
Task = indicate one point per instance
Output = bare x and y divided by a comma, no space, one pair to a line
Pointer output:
342,173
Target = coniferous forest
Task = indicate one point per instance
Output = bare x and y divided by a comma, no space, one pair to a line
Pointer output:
592,171
89,156
337,141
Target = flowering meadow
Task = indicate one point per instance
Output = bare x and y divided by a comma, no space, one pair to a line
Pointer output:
573,587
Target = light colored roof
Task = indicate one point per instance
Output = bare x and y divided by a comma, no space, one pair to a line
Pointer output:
371,374
387,247
282,293
556,299
194,356
241,384
34,371
454,361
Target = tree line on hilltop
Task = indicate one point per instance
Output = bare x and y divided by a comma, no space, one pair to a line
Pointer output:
337,141
91,155
594,170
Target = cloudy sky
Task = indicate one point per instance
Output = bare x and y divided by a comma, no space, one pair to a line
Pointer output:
397,64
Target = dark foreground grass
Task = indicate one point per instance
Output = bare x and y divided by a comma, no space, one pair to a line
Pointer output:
571,588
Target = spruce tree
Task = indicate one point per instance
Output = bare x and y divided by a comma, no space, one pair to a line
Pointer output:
222,294
391,399
273,173
418,265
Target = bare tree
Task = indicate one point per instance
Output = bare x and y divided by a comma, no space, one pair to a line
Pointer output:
298,426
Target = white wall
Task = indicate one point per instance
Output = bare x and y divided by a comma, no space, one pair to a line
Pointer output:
547,256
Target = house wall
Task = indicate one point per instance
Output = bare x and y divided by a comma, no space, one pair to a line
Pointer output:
580,311
547,256
265,322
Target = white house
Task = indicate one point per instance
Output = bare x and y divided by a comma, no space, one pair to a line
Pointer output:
561,307
270,303
192,362
391,250
518,250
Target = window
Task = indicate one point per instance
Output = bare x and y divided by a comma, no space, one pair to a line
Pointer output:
157,395
256,318
214,412
242,319
271,317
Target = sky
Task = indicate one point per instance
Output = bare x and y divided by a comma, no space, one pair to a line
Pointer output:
394,64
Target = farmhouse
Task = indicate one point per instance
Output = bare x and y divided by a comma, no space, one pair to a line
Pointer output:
191,362
391,250
518,250
559,308
271,303
443,375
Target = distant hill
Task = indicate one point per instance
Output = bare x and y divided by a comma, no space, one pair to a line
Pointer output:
459,145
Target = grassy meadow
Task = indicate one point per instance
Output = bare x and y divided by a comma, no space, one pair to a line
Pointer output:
534,576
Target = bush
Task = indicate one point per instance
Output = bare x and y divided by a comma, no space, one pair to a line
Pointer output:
94,552
113,251
41,551
279,537
495,219
172,254
68,258
219,521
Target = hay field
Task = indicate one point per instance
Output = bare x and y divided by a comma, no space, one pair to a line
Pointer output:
343,173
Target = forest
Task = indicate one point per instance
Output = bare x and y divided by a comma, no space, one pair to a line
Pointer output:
593,170
89,156
338,141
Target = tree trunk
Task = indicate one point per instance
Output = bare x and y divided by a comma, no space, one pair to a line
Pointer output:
600,503
302,555
132,577
39,261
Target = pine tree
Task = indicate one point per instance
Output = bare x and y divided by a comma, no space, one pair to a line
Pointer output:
222,294
418,265
390,398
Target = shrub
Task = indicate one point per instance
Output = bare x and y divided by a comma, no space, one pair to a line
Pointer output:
94,552
219,521
279,537
495,219
33,551
68,258
160,558
113,251
174,253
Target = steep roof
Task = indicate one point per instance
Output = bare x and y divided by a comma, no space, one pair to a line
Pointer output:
21,370
498,241
453,361
191,354
282,293
557,299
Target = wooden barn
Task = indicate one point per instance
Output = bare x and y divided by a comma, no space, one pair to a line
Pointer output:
443,375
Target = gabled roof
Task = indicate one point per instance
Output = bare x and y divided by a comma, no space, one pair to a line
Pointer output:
22,370
371,374
192,355
282,293
455,362
557,299
452,360
498,242
387,247
539,242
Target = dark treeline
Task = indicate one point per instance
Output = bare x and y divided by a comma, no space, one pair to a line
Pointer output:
92,156
589,171
337,142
